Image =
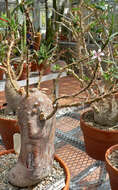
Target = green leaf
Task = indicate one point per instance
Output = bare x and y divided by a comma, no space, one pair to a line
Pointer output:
90,62
115,76
113,35
86,78
106,76
75,9
108,61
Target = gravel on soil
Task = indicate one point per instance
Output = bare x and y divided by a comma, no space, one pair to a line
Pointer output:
8,161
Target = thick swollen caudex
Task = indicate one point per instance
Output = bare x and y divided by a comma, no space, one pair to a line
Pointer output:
37,140
106,111
12,97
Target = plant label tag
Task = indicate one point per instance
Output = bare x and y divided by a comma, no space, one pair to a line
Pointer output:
17,142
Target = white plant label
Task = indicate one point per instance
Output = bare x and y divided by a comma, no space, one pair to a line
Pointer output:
17,142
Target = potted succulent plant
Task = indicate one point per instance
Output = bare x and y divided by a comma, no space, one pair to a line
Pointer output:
1,74
99,124
37,128
36,123
43,55
95,67
111,160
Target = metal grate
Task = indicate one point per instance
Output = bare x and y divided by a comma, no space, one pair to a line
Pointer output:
86,173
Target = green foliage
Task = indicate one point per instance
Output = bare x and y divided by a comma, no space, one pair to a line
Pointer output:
13,24
101,5
56,67
3,24
3,50
23,37
44,53
21,6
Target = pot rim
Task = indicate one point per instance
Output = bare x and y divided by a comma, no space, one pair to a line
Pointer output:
7,119
93,128
7,152
66,170
108,152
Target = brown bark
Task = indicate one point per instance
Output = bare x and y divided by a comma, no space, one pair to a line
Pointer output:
37,140
12,96
106,111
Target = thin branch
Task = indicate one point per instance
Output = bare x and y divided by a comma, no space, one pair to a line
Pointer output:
64,25
3,68
93,39
88,16
81,91
89,102
55,96
75,75
27,90
55,107
61,14
8,65
40,77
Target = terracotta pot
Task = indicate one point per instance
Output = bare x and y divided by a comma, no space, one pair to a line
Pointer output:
46,69
1,74
112,171
8,127
15,65
33,66
7,152
67,172
97,141
24,71
62,163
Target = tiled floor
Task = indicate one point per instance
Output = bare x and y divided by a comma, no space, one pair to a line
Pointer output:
86,173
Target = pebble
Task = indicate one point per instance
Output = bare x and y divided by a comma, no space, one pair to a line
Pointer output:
10,116
113,158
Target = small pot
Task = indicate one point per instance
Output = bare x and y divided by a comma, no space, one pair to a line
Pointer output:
8,127
33,66
97,141
24,71
112,171
56,157
67,172
46,69
1,74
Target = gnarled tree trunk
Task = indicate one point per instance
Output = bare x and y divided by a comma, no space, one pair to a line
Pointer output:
12,97
37,140
106,111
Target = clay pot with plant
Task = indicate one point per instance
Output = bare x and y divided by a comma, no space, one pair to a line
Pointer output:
97,76
43,56
111,160
8,49
8,120
1,74
36,120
